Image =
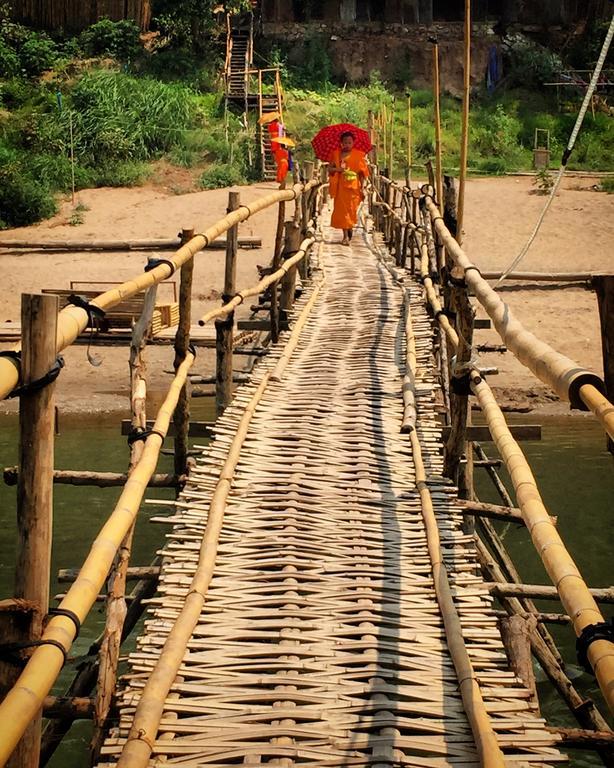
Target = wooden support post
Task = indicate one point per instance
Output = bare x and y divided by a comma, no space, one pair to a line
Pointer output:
35,486
292,243
20,621
457,445
308,171
276,263
116,598
182,342
516,635
604,288
224,326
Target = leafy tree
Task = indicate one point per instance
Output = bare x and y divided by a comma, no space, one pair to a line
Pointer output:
189,23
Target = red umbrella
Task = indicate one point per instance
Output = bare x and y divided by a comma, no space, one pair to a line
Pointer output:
329,139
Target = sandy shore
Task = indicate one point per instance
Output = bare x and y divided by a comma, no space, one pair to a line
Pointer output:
578,235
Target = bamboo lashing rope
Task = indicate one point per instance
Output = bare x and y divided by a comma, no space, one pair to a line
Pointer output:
73,320
26,697
138,747
573,591
571,382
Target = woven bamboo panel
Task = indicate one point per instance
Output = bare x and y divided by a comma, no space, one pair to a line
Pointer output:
321,642
75,15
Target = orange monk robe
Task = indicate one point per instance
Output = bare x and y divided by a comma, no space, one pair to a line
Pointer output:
346,188
282,161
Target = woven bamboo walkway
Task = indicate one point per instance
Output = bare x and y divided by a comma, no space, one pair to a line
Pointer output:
321,643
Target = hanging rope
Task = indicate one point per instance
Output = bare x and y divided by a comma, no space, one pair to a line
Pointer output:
568,149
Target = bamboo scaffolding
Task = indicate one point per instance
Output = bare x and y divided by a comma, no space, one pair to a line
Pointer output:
26,698
577,385
73,320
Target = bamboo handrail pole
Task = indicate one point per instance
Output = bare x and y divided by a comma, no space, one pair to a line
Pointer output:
73,320
139,744
261,286
574,593
26,698
569,380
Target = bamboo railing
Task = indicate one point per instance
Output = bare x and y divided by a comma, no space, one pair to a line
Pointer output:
582,388
73,320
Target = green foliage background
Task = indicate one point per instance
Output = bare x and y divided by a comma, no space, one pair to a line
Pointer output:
130,107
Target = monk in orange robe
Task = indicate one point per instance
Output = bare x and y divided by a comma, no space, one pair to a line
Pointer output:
282,161
348,169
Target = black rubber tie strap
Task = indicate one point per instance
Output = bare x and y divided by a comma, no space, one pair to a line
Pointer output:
143,434
446,312
36,386
153,263
472,266
13,355
604,630
192,348
94,312
7,650
69,615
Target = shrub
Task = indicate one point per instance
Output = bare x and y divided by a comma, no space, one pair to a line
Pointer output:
9,61
222,175
23,199
607,185
120,39
124,174
38,54
528,64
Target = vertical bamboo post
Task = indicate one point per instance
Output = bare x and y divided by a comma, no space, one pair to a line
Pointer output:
391,155
384,122
457,444
305,199
604,288
224,326
35,484
276,263
409,127
372,137
182,343
436,86
465,125
116,607
291,245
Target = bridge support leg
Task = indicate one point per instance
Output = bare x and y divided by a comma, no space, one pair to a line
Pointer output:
35,485
457,444
182,342
224,326
604,287
276,263
288,283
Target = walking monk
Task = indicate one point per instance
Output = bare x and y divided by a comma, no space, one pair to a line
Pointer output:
348,170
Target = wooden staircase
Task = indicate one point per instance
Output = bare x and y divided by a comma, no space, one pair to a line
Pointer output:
251,89
239,56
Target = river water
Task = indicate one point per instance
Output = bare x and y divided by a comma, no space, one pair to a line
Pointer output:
573,470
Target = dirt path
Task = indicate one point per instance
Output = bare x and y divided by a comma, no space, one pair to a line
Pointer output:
578,235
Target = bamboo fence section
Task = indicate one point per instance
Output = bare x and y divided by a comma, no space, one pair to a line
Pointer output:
73,320
580,387
25,699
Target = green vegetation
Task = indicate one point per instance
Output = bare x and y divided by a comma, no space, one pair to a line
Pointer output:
126,108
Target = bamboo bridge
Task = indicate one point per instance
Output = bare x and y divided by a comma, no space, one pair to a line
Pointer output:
323,597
